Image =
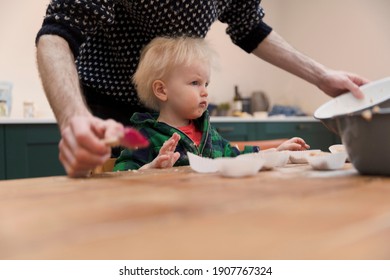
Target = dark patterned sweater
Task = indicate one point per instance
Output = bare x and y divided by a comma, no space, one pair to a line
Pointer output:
212,144
106,36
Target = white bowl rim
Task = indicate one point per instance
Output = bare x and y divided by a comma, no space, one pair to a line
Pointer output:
318,114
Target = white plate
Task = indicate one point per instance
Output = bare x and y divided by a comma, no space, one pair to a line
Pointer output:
375,93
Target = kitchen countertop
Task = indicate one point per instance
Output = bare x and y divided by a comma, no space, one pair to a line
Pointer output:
292,212
269,119
27,121
213,119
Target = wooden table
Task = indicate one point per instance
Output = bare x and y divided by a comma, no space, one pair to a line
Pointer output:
290,213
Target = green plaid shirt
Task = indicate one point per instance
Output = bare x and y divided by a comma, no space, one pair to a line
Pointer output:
212,145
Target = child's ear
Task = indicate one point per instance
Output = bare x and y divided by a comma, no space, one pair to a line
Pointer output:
159,90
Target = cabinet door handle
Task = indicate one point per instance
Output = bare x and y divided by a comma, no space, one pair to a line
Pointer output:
225,129
302,126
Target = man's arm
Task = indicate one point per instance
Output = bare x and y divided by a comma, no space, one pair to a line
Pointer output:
60,80
81,147
275,50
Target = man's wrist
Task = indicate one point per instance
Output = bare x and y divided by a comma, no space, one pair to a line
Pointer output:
64,120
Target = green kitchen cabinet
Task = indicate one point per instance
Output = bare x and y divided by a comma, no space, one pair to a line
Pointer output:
313,132
31,150
2,153
236,131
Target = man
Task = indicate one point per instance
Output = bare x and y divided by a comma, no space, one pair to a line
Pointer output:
87,52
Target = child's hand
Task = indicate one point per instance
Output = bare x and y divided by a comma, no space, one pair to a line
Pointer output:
294,144
167,155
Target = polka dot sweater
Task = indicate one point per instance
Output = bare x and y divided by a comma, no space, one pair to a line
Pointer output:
106,36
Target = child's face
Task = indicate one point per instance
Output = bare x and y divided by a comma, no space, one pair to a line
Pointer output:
186,89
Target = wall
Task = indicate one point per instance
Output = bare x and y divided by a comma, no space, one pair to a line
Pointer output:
19,22
351,35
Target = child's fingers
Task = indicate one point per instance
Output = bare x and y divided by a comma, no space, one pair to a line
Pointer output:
175,157
301,142
167,146
176,137
168,160
295,147
170,144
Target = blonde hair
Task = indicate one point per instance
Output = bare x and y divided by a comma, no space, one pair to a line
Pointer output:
162,55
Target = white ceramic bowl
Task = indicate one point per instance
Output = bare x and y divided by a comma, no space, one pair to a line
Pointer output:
299,157
338,148
201,164
243,165
274,159
239,167
327,161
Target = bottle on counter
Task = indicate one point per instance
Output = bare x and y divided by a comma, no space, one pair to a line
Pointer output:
3,108
28,109
237,102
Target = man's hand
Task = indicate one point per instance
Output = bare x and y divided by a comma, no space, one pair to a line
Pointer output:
335,83
82,146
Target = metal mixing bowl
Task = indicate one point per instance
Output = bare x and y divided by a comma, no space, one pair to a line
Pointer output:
366,138
367,141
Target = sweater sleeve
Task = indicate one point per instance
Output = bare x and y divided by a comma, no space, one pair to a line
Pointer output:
73,19
245,24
